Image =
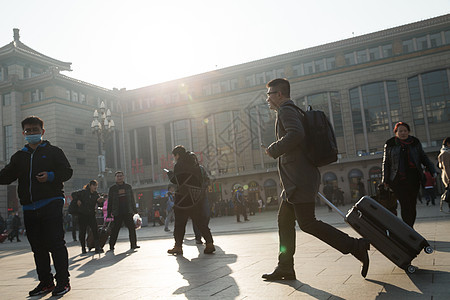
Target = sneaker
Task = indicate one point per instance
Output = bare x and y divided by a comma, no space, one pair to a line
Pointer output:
42,288
61,289
166,229
135,247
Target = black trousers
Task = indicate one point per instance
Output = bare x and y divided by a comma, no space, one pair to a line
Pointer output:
406,193
241,209
74,227
129,223
45,232
198,218
305,216
84,221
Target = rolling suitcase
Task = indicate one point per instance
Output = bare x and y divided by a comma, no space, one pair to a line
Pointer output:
385,231
104,231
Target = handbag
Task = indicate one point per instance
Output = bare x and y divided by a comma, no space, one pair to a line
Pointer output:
74,209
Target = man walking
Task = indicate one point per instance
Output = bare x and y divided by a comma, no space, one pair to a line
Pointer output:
300,181
239,204
41,169
122,206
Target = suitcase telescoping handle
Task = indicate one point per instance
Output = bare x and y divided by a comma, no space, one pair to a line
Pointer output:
328,202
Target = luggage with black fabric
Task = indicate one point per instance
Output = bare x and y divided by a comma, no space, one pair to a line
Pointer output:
386,232
104,231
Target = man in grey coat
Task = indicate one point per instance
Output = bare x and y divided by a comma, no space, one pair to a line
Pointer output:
300,181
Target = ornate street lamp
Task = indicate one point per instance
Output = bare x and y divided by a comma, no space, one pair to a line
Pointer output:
102,125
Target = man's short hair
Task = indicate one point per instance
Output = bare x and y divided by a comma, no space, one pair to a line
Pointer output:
179,149
118,172
281,85
32,120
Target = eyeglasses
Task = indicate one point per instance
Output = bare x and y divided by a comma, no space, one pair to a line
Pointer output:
32,130
270,93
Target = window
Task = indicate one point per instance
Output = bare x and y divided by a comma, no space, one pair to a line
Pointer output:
8,146
447,37
349,58
308,68
374,53
262,126
361,56
330,63
79,131
82,98
215,88
6,99
224,86
269,76
206,90
422,43
279,73
79,146
374,104
386,50
260,79
298,70
234,84
74,96
250,80
36,95
435,40
319,65
68,95
436,95
81,161
408,46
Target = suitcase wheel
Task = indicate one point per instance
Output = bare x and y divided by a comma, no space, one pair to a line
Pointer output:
411,269
428,250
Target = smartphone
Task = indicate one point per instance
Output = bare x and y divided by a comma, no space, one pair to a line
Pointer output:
165,170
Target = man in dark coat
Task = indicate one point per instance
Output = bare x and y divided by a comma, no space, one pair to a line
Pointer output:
300,181
41,170
122,206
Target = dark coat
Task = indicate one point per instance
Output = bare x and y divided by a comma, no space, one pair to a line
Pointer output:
113,199
25,164
187,175
391,159
88,200
297,173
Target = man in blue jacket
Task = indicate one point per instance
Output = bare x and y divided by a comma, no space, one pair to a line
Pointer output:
41,169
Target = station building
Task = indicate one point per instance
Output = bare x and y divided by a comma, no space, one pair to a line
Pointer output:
364,84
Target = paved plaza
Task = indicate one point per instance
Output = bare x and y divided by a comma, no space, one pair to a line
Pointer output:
244,252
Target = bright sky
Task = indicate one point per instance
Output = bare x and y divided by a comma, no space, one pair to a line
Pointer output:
135,43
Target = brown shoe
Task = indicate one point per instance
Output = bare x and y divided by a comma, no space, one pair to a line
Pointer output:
209,248
175,250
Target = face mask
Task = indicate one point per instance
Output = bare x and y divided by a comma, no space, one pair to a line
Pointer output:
33,138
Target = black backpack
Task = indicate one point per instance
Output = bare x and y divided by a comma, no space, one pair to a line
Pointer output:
321,146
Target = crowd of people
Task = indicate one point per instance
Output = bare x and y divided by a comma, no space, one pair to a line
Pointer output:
41,169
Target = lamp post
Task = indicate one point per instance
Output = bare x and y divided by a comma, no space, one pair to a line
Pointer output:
102,125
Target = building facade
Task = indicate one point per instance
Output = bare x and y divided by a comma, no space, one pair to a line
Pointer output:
364,84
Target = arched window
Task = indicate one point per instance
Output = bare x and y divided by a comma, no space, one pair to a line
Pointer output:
430,91
329,177
357,188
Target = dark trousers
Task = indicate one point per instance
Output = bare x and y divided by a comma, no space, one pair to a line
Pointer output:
45,232
129,223
84,221
406,193
14,234
74,227
198,218
430,196
241,210
305,216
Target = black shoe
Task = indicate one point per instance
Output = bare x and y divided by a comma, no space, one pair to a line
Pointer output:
280,275
61,289
363,245
111,248
42,288
83,250
135,247
246,220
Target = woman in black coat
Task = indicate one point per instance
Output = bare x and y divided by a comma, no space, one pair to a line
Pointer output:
88,199
402,169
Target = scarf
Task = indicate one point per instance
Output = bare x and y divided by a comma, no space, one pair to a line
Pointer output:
405,161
